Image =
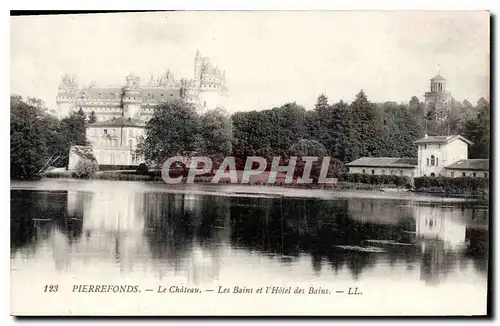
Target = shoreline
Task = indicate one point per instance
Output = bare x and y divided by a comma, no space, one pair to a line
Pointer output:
232,190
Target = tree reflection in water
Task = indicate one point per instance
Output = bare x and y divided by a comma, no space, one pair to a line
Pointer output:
191,235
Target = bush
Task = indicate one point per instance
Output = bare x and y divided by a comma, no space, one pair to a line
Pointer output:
463,185
375,179
142,169
85,168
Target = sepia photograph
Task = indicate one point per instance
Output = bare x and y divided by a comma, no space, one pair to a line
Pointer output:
250,163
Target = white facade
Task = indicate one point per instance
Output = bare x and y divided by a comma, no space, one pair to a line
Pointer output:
435,155
115,145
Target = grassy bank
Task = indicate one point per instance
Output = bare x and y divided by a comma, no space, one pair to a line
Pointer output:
260,180
466,187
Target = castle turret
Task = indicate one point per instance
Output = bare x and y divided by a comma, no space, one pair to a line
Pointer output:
66,96
197,68
132,98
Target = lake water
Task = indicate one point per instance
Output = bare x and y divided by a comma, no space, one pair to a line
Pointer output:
405,254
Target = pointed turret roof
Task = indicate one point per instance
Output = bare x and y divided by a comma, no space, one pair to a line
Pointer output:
438,77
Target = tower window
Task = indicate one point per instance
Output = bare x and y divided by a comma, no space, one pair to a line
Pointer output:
433,160
427,161
105,131
364,171
205,104
437,161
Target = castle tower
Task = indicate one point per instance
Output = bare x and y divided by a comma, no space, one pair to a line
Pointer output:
197,68
438,100
132,98
66,96
212,91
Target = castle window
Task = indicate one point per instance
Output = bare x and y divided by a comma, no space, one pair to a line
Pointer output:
452,174
161,94
427,161
433,160
402,173
485,174
100,93
205,104
464,174
437,161
425,146
373,171
383,172
364,171
105,131
474,174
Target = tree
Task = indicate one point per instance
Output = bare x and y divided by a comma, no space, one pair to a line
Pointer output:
217,132
27,144
92,118
174,129
307,147
363,127
478,131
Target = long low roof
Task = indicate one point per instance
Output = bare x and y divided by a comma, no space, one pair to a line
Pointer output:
396,162
470,164
118,122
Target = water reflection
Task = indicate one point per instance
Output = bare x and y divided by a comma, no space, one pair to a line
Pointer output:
195,236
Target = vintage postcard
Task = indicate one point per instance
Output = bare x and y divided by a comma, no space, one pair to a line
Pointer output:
250,163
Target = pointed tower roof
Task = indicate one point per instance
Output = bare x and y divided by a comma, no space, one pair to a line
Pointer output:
438,77
198,54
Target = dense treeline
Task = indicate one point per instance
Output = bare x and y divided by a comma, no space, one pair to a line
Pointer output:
362,128
341,130
38,139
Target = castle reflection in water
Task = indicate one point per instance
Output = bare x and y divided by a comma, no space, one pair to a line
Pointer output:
192,236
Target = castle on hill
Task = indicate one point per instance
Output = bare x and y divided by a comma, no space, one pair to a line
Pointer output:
206,90
123,111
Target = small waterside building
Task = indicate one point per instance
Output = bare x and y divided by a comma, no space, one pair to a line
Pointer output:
436,156
468,168
384,166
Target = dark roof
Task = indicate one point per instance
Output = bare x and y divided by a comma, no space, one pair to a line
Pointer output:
395,162
119,122
438,77
160,93
100,92
470,164
441,139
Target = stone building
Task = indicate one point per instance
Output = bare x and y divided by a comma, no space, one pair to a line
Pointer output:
438,99
436,156
122,111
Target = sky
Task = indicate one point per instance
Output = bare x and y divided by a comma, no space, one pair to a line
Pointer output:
270,57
